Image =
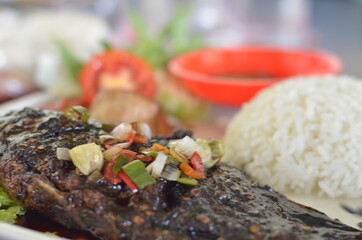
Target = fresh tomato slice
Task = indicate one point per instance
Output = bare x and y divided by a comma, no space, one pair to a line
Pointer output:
116,69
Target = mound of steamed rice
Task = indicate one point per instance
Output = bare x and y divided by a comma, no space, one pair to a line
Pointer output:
303,135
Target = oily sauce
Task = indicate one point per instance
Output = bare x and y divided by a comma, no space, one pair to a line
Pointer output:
39,222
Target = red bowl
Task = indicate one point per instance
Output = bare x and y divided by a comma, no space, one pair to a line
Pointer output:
234,76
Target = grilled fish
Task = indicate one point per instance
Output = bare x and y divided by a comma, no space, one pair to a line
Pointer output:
225,205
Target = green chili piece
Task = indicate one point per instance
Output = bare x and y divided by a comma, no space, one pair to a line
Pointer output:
187,181
137,172
120,162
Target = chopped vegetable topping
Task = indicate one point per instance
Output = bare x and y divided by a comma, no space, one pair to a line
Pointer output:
111,152
189,171
122,132
119,163
157,147
196,162
177,156
63,154
77,113
144,158
137,172
128,153
158,165
186,146
184,155
107,139
128,181
87,157
187,181
142,129
140,168
140,139
150,154
109,175
171,172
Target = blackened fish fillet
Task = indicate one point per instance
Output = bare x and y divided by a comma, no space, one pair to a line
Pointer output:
226,205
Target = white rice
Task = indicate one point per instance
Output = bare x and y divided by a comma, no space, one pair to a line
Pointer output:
303,135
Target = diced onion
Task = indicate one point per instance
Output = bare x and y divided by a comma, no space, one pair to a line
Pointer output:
178,156
122,131
123,145
107,139
205,152
87,157
94,177
150,167
142,129
173,143
186,146
63,154
158,165
217,151
171,172
111,152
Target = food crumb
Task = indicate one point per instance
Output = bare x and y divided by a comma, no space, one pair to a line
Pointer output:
307,228
138,220
254,228
195,192
150,213
203,219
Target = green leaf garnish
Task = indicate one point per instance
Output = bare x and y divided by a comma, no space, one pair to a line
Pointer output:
172,40
9,211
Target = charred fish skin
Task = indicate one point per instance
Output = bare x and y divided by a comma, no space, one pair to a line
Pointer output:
226,205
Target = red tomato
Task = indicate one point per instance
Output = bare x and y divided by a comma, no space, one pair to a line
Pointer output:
116,69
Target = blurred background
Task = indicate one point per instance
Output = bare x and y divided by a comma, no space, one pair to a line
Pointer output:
44,43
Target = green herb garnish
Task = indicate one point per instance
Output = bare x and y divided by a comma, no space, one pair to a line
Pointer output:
172,40
9,211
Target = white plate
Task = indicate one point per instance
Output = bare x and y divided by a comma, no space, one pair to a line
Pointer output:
13,232
31,100
331,207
